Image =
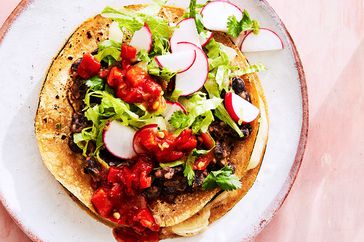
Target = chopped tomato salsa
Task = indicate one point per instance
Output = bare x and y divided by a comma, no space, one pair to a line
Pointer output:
120,199
165,146
88,67
139,87
128,52
203,161
132,84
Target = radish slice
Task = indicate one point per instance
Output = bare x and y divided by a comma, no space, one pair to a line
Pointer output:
172,107
186,31
142,39
266,40
177,62
136,139
215,15
118,140
194,78
206,38
239,109
115,33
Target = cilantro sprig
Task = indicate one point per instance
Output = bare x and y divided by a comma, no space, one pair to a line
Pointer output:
224,178
188,171
235,27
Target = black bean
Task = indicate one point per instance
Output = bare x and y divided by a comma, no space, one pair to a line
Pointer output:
75,64
240,89
238,85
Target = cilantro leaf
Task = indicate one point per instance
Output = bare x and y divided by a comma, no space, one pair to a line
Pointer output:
235,27
224,178
228,183
179,120
188,171
95,83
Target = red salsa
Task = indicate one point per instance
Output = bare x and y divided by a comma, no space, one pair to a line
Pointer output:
165,146
120,199
88,67
132,84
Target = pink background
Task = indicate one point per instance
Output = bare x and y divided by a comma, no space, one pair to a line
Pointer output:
326,202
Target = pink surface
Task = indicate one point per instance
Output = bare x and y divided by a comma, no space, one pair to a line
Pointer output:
326,201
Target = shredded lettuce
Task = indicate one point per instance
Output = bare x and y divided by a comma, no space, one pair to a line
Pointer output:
222,77
249,69
134,20
175,95
202,122
222,114
199,104
179,120
199,113
193,12
192,9
155,70
109,52
160,46
104,108
124,17
143,56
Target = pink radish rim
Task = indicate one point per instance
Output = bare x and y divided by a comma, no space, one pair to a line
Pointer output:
178,104
151,36
208,39
194,59
250,31
148,126
184,42
229,106
170,40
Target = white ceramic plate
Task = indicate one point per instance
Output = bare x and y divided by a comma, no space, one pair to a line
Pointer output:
41,206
